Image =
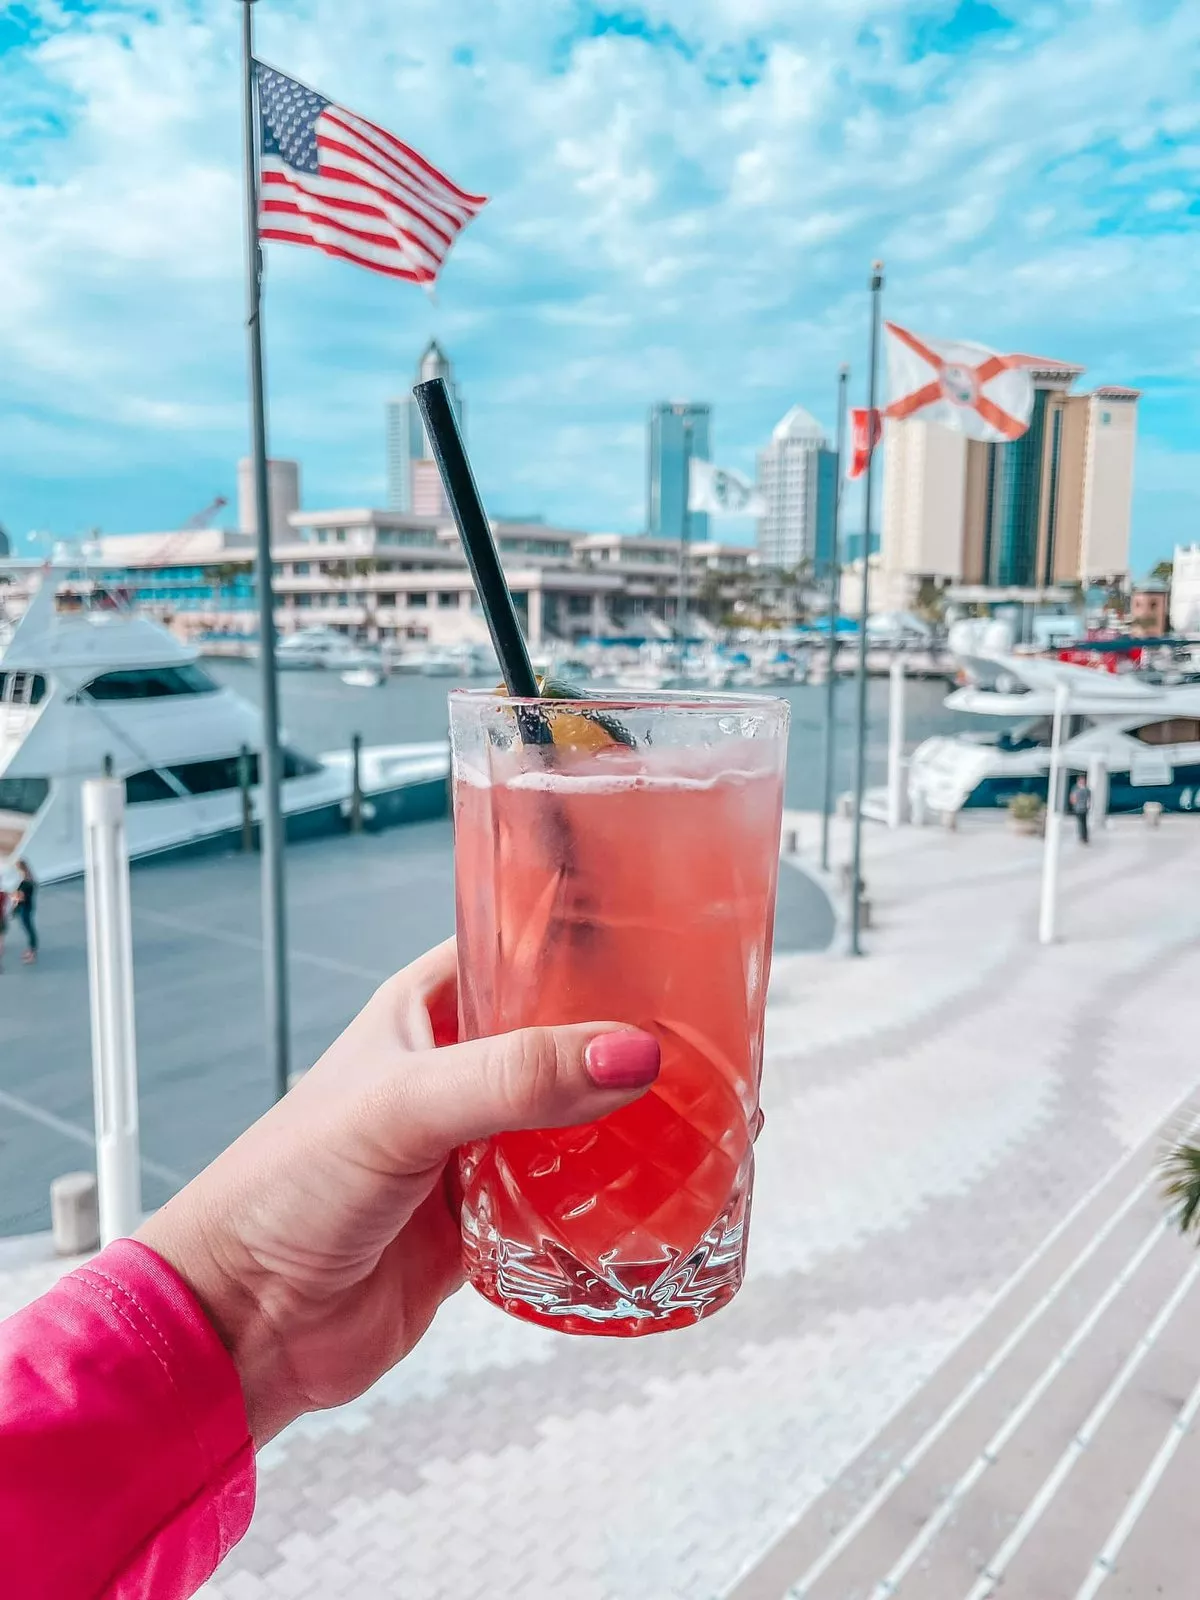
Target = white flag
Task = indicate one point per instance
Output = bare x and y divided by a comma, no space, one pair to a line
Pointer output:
964,387
721,492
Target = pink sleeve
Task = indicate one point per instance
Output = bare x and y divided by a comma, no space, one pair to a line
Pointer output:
126,1467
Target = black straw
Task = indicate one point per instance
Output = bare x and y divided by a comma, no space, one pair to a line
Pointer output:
476,534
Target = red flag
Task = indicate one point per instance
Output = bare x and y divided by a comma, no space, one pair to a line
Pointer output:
864,436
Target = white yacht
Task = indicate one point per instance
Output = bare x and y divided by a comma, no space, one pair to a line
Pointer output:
464,660
311,648
1141,739
86,684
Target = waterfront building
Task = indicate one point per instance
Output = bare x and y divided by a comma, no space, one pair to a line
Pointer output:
283,490
677,432
390,576
797,477
413,484
1051,509
1185,589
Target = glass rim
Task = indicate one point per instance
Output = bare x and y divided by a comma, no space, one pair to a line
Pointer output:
716,702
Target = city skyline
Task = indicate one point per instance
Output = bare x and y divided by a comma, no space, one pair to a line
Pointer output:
1050,507
610,268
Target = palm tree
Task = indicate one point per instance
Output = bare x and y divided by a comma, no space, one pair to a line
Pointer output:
1179,1170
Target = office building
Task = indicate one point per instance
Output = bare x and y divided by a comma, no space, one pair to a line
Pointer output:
413,484
797,477
283,492
1049,509
677,432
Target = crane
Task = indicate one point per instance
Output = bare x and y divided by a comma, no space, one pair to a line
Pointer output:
202,519
199,519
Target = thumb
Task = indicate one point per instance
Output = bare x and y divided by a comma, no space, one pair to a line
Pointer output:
534,1078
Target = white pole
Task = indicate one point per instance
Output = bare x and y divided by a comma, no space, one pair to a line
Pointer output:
1048,912
110,977
895,766
1097,781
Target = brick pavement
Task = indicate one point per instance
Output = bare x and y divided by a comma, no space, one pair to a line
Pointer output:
933,1113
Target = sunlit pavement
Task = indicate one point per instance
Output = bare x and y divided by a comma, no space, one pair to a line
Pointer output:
966,1341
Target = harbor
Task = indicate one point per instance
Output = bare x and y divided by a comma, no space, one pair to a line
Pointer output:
360,906
962,1124
599,803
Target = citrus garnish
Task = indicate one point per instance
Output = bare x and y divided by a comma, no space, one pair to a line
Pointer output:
580,730
570,730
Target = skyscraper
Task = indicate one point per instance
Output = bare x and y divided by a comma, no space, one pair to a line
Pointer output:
413,484
1052,507
677,432
797,476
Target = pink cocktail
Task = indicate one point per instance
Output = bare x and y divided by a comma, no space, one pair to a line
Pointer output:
618,859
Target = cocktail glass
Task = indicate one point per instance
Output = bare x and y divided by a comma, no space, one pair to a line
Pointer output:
617,859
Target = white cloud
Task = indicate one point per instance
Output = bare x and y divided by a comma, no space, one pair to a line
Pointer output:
653,231
1167,200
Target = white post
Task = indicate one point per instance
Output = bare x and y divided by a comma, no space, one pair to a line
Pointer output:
1048,911
1097,781
895,765
110,979
535,616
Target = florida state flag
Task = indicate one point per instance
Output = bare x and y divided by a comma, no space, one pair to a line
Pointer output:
866,430
965,387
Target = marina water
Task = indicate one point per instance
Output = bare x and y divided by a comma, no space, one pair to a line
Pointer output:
320,712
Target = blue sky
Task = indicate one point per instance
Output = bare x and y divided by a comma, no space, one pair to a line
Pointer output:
686,200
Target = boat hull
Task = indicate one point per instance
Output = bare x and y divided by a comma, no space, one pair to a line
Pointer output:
402,783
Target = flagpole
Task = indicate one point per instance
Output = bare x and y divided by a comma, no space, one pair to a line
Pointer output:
835,574
275,974
684,523
860,752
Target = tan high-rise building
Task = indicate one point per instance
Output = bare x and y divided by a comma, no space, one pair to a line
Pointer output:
1051,508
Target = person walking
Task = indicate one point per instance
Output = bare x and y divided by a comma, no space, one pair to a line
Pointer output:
1080,802
24,900
3,922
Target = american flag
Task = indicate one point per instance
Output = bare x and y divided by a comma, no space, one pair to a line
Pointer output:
335,181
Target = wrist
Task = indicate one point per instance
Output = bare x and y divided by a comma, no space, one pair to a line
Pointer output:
226,1294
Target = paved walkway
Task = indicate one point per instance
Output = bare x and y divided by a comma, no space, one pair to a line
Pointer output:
965,1346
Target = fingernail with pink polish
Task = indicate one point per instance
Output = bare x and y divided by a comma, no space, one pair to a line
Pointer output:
622,1060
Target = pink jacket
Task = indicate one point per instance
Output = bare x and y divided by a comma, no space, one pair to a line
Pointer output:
126,1467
